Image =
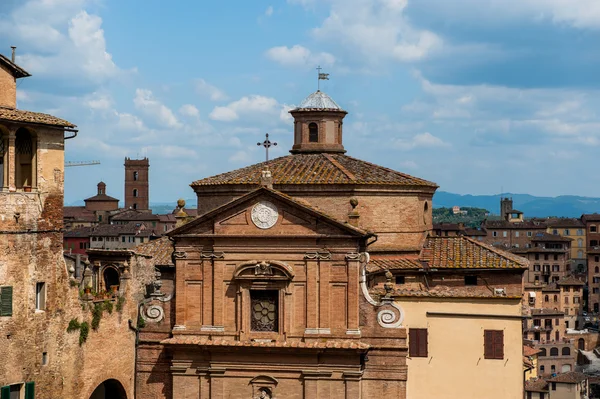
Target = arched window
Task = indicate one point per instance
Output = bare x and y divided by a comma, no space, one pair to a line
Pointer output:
135,175
566,351
23,159
581,344
546,299
542,352
553,351
135,192
555,298
135,206
313,133
425,210
542,368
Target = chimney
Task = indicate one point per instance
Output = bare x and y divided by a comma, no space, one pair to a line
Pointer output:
14,49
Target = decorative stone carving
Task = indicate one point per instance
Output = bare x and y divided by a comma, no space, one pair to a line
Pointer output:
263,269
212,255
153,314
317,255
179,254
264,215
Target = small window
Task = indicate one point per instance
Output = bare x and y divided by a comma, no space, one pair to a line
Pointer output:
123,239
537,256
40,296
546,299
542,368
567,232
470,280
44,358
264,310
504,234
134,206
555,257
592,229
554,385
135,192
135,176
529,234
516,233
6,294
99,218
313,133
493,343
553,368
566,351
399,279
495,233
417,342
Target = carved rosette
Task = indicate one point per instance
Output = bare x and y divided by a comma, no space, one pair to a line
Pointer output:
153,314
264,215
391,319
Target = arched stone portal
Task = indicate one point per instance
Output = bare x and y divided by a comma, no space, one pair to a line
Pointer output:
109,389
111,277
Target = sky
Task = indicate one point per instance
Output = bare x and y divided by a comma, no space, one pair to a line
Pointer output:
478,96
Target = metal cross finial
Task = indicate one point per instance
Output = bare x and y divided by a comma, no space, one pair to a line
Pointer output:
267,143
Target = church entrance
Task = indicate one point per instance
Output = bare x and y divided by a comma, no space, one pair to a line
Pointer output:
109,389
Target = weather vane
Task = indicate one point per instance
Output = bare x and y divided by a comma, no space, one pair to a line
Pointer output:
322,76
267,143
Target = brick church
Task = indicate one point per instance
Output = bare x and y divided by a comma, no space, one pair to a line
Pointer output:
296,279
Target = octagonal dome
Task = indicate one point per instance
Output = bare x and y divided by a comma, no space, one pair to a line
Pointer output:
318,100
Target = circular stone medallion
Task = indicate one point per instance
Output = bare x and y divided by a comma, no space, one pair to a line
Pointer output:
264,215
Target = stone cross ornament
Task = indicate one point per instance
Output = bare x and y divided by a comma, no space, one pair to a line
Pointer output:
267,144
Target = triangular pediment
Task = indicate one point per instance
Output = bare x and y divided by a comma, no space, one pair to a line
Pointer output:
266,212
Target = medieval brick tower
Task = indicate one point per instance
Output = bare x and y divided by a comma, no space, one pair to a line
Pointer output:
136,183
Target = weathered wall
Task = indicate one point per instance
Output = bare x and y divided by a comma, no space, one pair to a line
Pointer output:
8,89
455,349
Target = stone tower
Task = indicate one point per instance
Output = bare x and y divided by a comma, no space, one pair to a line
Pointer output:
318,125
506,205
136,184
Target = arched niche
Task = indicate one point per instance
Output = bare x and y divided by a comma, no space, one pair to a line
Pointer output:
109,389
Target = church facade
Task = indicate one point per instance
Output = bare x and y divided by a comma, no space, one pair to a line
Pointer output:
296,279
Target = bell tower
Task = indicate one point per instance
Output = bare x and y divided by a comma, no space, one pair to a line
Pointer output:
318,125
136,184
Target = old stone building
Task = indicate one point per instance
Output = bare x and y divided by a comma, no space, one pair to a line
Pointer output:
301,275
39,292
137,187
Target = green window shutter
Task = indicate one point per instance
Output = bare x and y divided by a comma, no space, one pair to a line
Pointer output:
30,390
6,301
5,392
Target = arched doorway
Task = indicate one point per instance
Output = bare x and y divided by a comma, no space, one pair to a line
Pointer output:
109,389
581,344
111,277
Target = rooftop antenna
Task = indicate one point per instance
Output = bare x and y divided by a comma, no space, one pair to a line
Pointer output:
267,143
14,49
321,76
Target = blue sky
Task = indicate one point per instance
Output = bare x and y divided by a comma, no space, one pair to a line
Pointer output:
477,96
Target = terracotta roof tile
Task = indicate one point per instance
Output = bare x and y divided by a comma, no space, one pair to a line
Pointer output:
16,70
571,377
101,197
203,341
316,169
571,280
18,115
160,250
538,385
547,237
466,253
378,263
530,351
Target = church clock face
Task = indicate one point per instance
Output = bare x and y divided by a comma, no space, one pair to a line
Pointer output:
264,215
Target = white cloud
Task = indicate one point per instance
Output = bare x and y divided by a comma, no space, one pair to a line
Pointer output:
376,29
99,101
169,151
206,89
145,102
241,156
422,140
129,122
189,110
269,11
298,56
246,106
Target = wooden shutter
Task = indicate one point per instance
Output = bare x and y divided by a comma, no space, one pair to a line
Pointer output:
5,392
417,342
6,301
499,344
488,348
30,390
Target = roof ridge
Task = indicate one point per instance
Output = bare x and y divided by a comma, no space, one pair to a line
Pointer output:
340,167
404,175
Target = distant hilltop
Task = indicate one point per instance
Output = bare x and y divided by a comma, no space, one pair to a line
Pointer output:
530,205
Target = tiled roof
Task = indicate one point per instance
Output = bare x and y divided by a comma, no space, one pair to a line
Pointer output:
552,287
504,224
317,169
318,101
571,377
203,341
570,281
466,253
17,71
378,263
538,385
475,232
439,291
133,214
546,312
547,237
448,226
80,232
591,217
530,351
160,250
18,115
565,222
101,197
78,213
132,228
